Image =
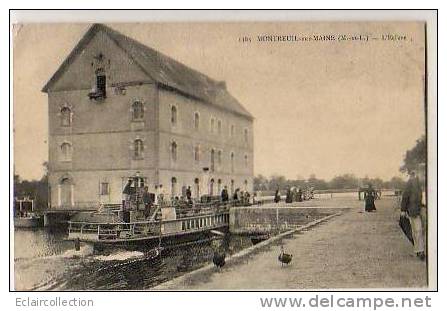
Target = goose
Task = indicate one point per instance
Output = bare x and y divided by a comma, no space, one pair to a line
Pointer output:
219,259
284,258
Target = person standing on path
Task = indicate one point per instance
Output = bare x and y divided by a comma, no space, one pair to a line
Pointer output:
369,199
277,196
300,195
411,207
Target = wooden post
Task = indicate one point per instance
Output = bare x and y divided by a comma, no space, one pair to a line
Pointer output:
277,219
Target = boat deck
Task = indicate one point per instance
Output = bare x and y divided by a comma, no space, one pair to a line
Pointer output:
176,222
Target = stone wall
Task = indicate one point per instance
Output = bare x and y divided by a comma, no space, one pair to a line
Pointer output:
259,219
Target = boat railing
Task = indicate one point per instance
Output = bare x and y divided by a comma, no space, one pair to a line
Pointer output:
107,231
197,209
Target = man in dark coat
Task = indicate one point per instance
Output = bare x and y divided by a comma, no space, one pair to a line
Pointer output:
289,196
189,195
411,207
224,194
300,195
127,192
147,201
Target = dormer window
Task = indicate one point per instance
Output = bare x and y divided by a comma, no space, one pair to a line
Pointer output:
101,84
99,89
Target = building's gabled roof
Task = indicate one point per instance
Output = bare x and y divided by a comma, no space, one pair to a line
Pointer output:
163,69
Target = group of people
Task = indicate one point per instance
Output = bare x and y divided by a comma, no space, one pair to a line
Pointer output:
139,198
241,197
134,197
294,194
376,193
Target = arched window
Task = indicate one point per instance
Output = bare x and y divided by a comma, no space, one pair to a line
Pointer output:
245,185
232,186
137,111
219,157
196,188
138,148
196,121
174,151
212,125
219,185
66,151
232,130
65,192
197,153
212,186
246,160
104,188
66,116
173,115
246,135
212,160
173,187
219,127
232,162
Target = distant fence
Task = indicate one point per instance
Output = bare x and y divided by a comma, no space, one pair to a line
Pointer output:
346,194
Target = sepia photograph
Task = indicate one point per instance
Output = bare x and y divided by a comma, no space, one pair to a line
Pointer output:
227,155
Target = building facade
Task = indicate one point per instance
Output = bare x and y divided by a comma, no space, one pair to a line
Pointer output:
119,109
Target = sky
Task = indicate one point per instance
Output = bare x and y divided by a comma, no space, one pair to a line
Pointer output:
321,107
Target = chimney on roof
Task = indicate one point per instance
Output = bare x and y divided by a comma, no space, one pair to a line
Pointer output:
222,85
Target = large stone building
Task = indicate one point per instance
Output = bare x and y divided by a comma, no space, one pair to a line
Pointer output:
118,109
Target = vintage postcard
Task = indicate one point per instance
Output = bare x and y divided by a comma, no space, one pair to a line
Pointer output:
222,156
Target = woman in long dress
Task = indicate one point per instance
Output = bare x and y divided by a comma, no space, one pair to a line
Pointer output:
369,199
277,197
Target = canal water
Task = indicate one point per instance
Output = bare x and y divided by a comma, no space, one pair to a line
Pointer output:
45,261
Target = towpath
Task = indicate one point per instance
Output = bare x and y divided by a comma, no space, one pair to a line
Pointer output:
353,250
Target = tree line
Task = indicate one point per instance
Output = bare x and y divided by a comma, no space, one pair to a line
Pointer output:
413,159
340,182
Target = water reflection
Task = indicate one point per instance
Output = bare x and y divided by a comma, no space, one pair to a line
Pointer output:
45,261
